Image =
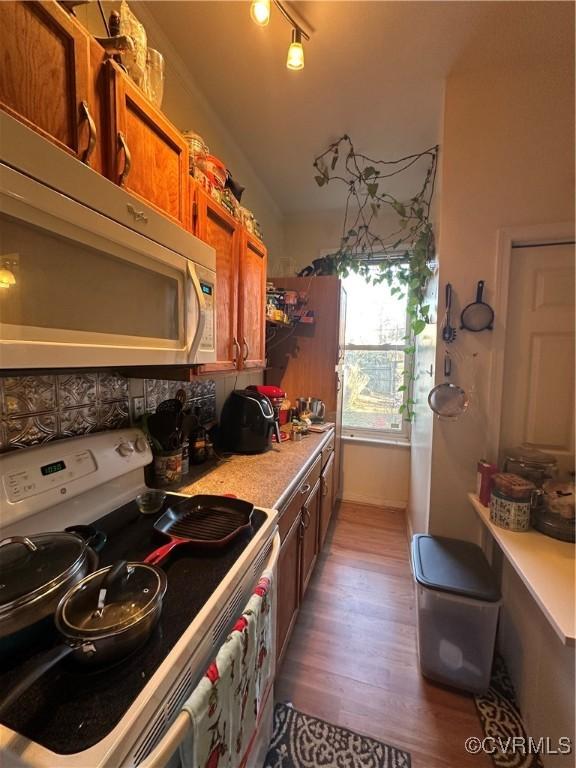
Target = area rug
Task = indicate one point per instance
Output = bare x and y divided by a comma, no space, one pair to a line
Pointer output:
301,741
501,721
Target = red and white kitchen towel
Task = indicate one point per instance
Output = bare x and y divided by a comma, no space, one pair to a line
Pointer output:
225,705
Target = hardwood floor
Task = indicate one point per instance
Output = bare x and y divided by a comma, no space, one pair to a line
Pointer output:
352,659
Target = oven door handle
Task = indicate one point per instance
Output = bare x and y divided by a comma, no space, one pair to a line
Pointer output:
195,312
177,732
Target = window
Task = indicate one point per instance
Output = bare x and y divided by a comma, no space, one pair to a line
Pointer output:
374,360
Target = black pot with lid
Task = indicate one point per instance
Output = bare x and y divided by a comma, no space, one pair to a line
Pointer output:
36,572
102,619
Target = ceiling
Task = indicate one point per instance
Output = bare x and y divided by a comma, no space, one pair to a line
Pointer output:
374,70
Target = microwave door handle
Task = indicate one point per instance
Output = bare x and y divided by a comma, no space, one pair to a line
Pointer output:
195,309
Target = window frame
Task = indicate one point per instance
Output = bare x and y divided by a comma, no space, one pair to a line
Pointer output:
390,436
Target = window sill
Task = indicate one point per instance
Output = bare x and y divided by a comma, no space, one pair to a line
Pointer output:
399,442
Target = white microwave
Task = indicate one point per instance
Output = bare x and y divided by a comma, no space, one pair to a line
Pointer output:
93,277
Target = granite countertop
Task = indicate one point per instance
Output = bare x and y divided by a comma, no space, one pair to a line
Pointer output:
266,479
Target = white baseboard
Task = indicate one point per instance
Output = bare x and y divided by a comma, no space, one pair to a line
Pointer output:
359,499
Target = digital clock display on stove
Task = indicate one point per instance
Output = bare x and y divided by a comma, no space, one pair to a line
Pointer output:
50,469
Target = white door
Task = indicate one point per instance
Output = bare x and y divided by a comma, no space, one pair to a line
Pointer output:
538,388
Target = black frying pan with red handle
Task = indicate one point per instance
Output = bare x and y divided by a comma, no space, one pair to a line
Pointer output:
204,521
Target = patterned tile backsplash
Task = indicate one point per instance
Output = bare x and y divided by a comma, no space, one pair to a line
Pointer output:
36,409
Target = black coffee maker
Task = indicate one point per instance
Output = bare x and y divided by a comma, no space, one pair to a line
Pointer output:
247,422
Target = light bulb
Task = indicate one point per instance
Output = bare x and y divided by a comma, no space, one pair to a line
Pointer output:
6,278
295,58
260,12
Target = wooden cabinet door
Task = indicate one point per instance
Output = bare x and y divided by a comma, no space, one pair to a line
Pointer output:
149,157
309,536
288,586
252,302
220,230
326,499
44,72
303,361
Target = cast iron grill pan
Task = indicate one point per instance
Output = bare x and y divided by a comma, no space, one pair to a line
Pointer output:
203,521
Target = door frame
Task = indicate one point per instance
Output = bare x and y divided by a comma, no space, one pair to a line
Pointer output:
507,239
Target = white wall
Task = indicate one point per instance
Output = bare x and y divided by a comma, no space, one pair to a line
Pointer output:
186,106
376,474
422,427
508,159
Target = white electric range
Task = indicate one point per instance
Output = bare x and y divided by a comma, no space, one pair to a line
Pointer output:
116,716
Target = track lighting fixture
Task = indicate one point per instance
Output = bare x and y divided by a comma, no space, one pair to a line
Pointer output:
295,58
260,14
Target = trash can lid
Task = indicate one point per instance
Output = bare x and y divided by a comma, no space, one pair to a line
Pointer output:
451,565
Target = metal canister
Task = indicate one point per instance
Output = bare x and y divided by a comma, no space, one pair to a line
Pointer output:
510,513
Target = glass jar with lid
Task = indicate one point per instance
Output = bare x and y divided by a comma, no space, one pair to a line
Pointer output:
530,463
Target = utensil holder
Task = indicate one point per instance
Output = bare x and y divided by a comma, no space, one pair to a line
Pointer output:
168,467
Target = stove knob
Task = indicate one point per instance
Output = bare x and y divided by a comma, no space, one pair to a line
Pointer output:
141,444
125,449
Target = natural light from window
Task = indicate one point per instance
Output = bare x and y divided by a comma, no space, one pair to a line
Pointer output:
374,359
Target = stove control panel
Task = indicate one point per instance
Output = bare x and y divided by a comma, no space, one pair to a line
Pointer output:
105,465
38,478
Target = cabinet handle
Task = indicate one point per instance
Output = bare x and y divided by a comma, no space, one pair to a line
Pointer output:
127,158
324,487
305,488
306,512
92,133
138,215
237,350
338,383
246,347
301,529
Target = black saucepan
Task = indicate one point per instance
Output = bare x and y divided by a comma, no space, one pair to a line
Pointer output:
102,619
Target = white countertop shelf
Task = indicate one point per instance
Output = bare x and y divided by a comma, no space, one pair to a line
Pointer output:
545,565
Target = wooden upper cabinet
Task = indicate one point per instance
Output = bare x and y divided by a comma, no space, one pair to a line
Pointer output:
45,75
148,156
252,301
220,230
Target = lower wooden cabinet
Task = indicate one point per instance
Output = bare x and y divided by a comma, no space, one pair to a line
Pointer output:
288,586
326,499
309,518
302,535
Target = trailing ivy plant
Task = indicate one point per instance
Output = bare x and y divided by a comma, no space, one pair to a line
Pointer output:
402,256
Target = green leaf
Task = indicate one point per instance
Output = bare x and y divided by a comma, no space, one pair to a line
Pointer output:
402,388
352,233
400,210
334,161
320,180
372,189
369,171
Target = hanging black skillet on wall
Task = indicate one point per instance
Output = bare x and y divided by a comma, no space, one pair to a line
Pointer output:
477,316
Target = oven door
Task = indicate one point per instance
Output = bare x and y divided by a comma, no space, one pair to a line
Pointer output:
79,289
